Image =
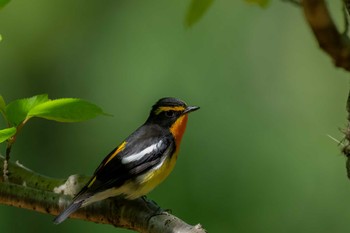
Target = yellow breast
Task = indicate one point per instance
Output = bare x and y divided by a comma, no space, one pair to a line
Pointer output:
147,182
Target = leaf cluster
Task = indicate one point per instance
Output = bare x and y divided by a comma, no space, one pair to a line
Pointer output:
18,112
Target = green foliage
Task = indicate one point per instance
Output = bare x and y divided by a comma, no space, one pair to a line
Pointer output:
62,110
261,3
196,11
3,3
7,133
66,110
17,111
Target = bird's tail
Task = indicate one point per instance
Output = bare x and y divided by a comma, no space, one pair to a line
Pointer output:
74,206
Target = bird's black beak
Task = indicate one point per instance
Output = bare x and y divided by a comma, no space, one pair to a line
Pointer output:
190,109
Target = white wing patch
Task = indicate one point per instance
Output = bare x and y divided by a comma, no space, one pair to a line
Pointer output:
139,155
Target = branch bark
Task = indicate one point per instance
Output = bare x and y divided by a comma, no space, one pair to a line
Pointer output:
330,40
29,190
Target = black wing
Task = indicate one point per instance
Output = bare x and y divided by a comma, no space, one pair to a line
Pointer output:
143,150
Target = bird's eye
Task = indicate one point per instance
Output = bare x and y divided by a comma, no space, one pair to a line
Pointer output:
170,113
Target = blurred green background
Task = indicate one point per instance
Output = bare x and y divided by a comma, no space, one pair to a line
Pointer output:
255,158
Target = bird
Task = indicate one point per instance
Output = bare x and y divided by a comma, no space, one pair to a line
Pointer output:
140,162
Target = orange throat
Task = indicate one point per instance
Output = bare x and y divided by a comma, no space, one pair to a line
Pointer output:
178,129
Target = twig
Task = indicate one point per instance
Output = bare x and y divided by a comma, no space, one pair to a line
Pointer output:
9,145
329,39
346,147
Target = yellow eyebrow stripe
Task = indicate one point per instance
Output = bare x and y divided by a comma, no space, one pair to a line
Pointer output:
119,149
168,108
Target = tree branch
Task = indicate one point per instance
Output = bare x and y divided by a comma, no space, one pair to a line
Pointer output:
29,190
335,44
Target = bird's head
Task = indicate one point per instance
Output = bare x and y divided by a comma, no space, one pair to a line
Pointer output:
166,111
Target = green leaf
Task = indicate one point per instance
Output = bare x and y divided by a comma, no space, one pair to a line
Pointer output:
261,3
3,3
17,111
66,110
7,133
196,11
